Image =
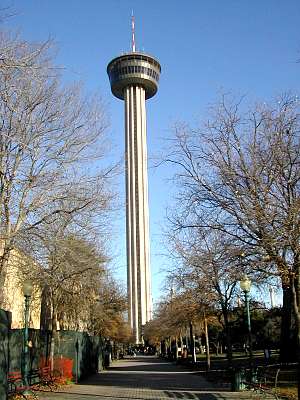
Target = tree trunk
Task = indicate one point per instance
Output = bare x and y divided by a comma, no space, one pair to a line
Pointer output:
164,348
52,348
187,344
176,348
287,339
169,347
298,358
4,259
53,337
228,338
207,344
296,307
181,345
193,347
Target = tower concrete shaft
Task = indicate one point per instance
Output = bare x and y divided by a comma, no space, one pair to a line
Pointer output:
137,210
134,78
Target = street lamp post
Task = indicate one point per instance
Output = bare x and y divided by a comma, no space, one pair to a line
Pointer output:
27,291
245,285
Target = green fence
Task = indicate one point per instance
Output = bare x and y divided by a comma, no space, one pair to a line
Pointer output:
85,351
5,320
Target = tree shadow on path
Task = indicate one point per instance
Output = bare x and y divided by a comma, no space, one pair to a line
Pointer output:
163,396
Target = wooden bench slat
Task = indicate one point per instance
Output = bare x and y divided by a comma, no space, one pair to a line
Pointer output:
14,375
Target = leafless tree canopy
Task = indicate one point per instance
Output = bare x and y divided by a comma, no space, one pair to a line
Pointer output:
239,175
56,190
49,135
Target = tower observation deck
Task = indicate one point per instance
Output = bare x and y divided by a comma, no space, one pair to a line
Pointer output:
134,78
134,69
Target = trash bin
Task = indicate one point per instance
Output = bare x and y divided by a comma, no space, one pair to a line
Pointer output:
238,379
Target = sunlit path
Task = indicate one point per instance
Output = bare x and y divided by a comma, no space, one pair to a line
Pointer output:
145,378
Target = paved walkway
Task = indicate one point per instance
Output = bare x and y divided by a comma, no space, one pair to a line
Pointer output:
147,378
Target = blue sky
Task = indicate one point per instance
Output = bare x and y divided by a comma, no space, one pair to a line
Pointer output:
204,47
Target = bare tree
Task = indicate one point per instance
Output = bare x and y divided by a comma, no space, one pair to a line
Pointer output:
180,315
69,274
208,263
48,136
239,174
108,313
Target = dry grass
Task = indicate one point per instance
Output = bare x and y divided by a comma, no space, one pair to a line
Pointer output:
289,393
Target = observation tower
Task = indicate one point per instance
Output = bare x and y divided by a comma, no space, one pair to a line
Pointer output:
134,78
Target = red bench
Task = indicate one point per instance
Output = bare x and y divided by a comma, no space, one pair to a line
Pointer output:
44,376
48,377
16,383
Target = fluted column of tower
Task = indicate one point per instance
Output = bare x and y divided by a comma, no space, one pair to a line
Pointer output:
134,78
137,213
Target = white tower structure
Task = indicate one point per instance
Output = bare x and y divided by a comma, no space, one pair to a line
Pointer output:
134,78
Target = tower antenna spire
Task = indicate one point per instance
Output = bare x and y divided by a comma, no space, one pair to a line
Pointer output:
132,33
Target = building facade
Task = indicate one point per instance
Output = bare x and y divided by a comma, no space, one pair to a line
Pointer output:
12,291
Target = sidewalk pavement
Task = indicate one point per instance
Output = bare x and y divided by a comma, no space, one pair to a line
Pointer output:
145,378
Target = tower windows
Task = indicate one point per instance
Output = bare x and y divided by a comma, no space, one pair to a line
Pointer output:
133,69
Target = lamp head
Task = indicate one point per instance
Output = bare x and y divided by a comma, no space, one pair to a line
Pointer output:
27,288
245,284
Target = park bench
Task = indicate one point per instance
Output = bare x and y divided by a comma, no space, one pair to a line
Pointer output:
16,384
44,376
264,382
47,377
